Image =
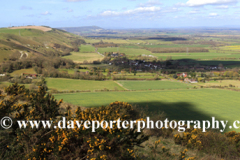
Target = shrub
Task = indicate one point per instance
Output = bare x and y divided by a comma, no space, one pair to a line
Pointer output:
79,143
210,142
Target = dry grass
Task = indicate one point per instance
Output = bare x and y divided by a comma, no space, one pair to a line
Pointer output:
236,83
45,29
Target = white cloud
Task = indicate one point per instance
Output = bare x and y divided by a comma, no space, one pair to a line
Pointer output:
46,13
213,14
133,11
150,3
193,3
222,7
70,10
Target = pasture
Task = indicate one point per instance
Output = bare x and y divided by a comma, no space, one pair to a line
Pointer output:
21,71
87,49
154,85
62,84
191,104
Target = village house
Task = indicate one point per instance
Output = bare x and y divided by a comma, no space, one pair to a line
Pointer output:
30,76
182,74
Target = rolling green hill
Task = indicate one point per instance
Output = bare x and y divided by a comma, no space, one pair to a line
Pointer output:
33,41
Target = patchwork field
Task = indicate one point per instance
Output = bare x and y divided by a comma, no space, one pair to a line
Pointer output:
142,85
191,104
202,56
127,51
73,84
136,50
81,57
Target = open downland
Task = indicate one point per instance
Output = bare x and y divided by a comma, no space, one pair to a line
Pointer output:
42,28
141,85
74,84
80,57
189,104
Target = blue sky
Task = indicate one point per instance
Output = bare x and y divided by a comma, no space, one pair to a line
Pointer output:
121,13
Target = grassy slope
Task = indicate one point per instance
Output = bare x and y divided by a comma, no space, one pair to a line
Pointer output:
37,40
72,84
141,85
177,104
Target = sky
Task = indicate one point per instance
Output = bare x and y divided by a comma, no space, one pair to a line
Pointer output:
121,14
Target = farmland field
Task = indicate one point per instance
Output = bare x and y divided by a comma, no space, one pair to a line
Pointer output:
141,85
236,83
174,46
127,51
202,56
192,104
135,50
87,48
80,57
73,84
19,72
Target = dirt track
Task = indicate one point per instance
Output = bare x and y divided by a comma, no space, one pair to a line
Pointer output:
45,29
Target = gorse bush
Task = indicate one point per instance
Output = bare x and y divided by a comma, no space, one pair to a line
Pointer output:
213,143
79,143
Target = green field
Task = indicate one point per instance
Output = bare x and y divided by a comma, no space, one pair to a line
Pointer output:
87,49
81,57
73,84
143,85
191,104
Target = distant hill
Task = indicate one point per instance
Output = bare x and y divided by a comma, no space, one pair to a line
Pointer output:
29,41
82,29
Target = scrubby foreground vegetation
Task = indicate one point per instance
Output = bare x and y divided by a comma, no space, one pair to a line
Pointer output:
20,103
130,75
